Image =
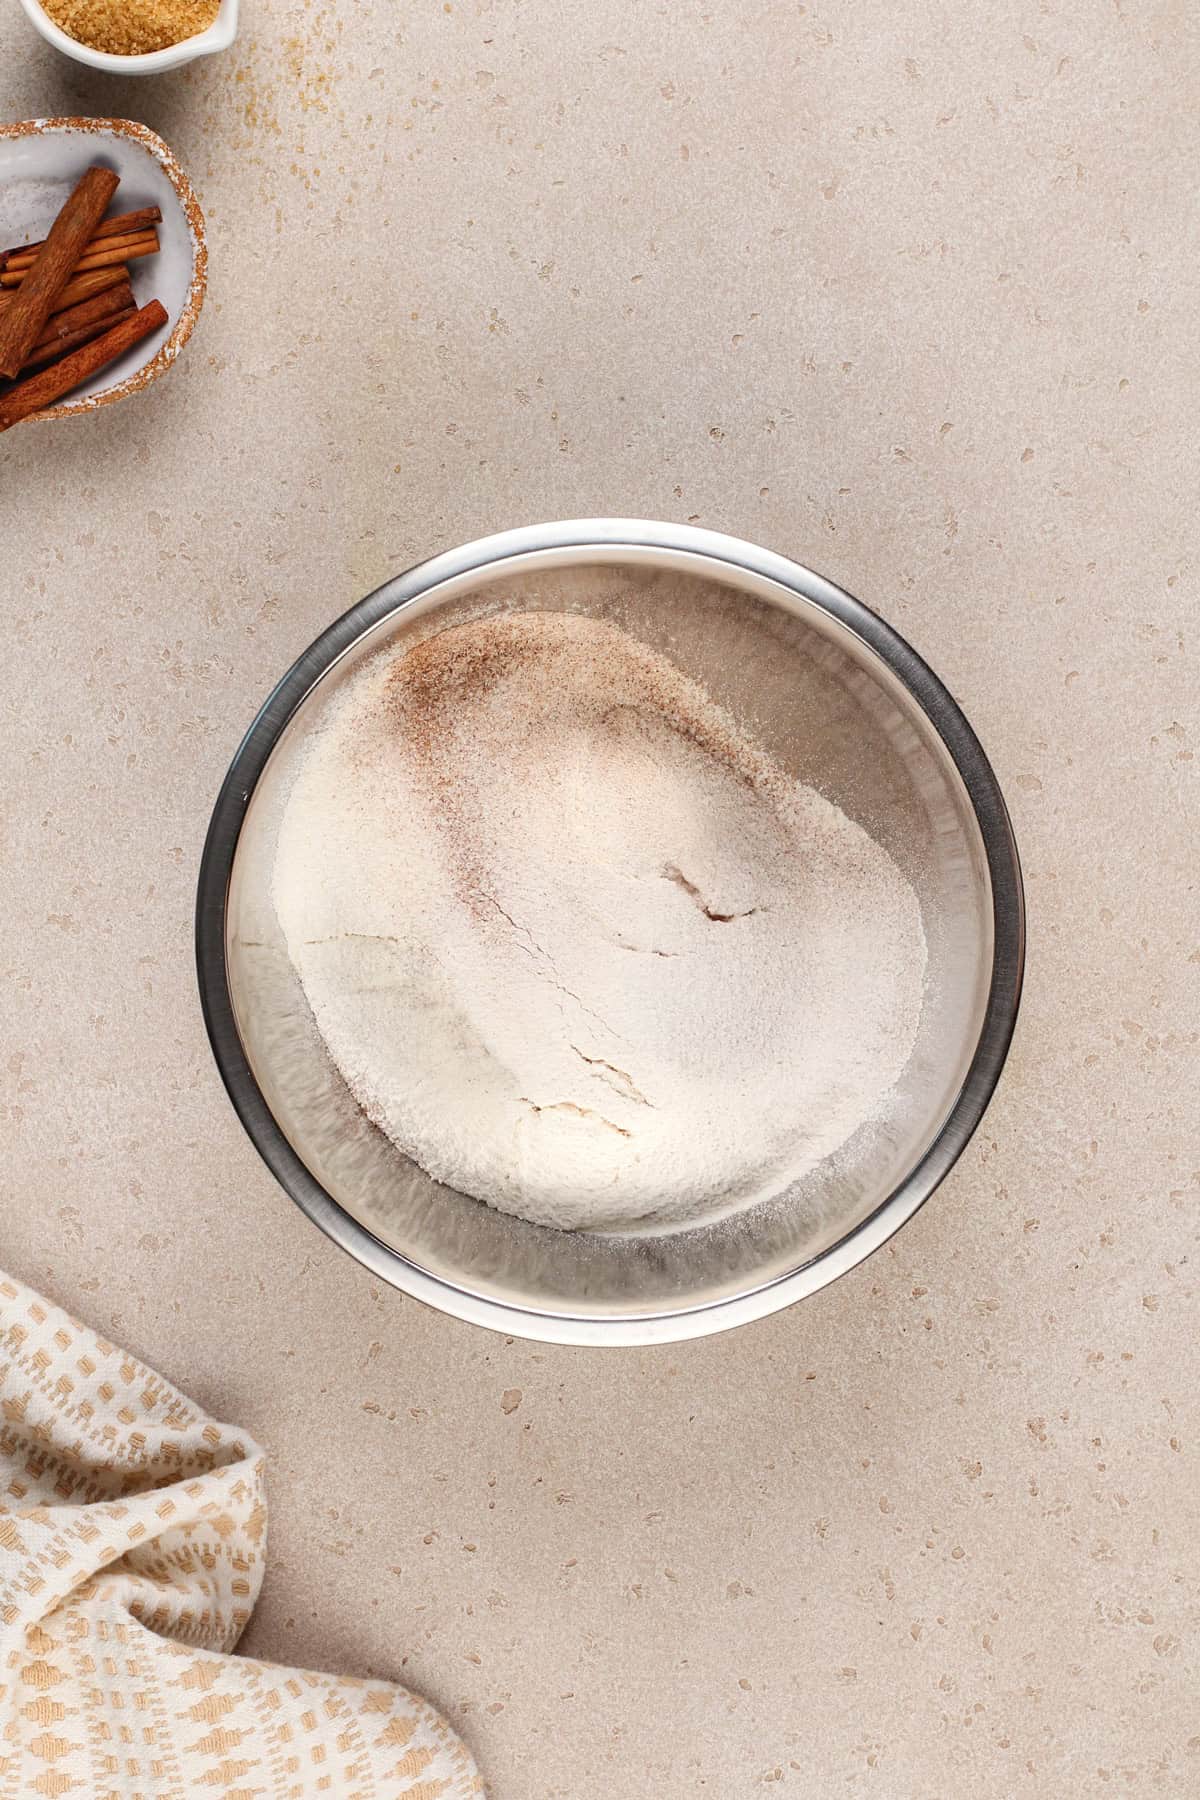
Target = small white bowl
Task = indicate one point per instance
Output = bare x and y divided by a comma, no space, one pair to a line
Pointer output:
40,162
219,36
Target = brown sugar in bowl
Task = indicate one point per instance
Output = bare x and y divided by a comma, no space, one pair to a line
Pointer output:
172,55
40,161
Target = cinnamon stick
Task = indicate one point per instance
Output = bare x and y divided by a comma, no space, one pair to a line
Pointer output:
70,340
18,260
21,323
36,391
78,288
98,309
120,225
96,256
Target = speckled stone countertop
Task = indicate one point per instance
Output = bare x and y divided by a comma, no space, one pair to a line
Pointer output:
910,293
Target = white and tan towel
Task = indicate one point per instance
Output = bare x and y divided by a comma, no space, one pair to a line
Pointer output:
132,1531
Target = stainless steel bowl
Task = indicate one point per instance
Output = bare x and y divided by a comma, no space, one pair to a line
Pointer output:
839,699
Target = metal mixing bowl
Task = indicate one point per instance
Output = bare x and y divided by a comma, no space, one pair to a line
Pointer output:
841,701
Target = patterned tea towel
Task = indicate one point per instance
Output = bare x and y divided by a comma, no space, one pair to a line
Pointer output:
132,1531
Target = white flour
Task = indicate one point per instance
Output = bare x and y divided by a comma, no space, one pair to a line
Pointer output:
576,944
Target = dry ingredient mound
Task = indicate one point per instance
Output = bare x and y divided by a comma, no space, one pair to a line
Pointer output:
131,27
577,944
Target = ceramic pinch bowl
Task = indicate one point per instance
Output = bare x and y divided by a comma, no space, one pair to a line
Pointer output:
40,162
219,36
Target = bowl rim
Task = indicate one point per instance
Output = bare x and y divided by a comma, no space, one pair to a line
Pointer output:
217,36
612,536
189,206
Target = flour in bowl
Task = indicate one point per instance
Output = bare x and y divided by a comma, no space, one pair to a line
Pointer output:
576,943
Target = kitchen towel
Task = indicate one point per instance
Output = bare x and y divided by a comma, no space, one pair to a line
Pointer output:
132,1535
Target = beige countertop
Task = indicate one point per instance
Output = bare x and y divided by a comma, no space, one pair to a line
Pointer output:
908,292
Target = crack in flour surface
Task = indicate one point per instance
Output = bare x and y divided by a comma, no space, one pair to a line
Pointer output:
576,943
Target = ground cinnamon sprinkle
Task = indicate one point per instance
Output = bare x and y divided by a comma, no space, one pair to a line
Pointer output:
131,27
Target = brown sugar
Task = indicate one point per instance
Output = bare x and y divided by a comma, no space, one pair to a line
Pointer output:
131,27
